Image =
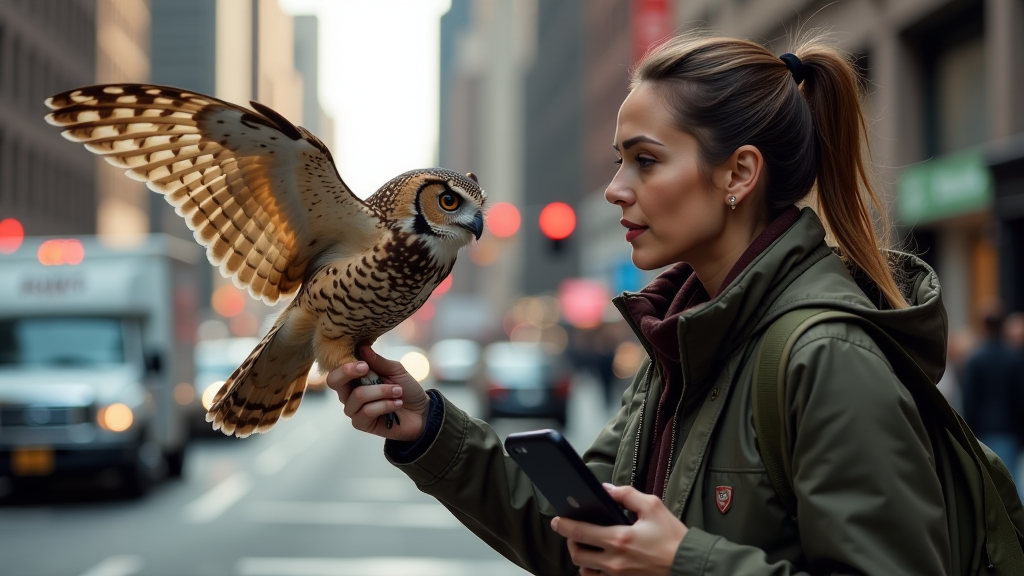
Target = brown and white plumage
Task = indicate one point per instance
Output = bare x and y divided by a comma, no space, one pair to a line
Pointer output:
265,199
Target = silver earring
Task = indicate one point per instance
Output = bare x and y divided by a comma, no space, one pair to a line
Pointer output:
732,202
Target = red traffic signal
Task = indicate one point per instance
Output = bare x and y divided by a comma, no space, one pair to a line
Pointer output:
12,233
557,220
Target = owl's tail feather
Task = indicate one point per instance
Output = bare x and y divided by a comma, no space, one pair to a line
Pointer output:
267,387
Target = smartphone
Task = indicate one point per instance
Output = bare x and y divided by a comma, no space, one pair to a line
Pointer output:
562,477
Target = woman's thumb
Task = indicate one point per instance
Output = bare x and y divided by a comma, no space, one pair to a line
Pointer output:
379,364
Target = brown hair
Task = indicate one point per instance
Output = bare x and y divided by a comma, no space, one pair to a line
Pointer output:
728,92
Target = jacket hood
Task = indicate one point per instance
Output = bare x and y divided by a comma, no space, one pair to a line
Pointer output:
800,271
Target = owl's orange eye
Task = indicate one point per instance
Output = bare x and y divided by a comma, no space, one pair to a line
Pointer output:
449,201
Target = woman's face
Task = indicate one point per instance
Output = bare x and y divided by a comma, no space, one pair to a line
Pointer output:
670,211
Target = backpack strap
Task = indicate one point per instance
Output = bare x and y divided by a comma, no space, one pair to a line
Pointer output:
769,398
1003,541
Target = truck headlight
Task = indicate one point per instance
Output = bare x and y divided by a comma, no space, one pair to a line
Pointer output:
210,392
115,418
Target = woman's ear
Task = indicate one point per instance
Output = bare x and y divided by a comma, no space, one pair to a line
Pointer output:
740,174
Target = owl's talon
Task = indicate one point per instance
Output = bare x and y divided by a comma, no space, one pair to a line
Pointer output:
391,420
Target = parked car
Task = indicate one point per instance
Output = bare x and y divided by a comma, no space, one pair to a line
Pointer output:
524,381
455,361
215,361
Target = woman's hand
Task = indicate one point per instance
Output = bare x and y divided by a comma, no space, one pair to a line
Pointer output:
366,405
647,548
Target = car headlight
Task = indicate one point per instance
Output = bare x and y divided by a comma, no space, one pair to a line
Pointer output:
416,364
210,392
115,417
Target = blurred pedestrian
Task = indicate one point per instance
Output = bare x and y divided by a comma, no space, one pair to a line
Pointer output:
993,392
961,344
717,140
1014,330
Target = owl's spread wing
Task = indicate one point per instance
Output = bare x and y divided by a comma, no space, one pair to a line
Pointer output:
262,195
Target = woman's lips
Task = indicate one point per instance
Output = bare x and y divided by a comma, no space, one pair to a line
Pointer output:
632,233
633,229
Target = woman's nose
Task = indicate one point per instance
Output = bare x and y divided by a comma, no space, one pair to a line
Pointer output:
618,193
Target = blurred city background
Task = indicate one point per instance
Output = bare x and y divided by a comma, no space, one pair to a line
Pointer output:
115,331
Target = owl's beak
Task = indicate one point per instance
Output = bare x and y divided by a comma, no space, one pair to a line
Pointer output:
477,227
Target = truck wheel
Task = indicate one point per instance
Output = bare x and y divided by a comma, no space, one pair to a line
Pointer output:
135,480
175,462
139,476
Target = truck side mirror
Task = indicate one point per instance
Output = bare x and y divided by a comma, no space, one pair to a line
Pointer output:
154,362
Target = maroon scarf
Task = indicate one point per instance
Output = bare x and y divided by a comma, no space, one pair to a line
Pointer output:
656,310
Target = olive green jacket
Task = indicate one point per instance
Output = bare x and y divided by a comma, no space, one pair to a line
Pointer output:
859,458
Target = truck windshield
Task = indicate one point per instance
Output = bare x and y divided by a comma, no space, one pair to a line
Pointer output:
61,342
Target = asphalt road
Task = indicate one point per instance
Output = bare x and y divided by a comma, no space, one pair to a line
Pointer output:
311,498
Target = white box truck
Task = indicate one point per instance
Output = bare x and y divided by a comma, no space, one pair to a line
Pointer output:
96,358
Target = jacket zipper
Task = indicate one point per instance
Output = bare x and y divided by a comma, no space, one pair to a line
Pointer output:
639,429
672,443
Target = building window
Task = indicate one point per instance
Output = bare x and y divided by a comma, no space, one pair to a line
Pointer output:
64,207
16,171
955,83
4,200
32,183
3,50
45,190
962,97
25,79
34,87
16,66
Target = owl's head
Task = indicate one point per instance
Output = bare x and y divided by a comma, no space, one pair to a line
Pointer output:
442,207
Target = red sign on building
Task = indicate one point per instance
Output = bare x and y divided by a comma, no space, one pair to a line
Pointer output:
652,24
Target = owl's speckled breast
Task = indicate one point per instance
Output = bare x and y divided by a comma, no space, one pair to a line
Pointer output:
365,296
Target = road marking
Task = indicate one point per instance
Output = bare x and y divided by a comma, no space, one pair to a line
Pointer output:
273,459
211,505
354,514
116,566
380,566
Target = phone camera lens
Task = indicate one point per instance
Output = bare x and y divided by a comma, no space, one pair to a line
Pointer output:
520,450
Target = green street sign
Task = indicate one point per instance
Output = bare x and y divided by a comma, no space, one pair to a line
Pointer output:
944,187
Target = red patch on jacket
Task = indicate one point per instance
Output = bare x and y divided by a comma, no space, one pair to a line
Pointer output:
723,498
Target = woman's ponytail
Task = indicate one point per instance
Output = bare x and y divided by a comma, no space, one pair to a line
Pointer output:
830,87
728,92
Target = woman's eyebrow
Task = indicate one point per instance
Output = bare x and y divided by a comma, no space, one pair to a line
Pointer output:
630,142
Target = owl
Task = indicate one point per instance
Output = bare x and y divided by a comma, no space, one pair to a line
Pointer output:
264,197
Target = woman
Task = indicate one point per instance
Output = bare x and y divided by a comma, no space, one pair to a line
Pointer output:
717,140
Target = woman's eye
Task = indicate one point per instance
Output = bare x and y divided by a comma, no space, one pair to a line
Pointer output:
643,161
448,201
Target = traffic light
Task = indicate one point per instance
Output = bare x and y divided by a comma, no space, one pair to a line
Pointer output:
557,222
12,233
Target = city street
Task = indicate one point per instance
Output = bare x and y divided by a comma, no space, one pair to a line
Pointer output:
311,498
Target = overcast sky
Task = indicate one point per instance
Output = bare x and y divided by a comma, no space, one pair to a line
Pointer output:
379,80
